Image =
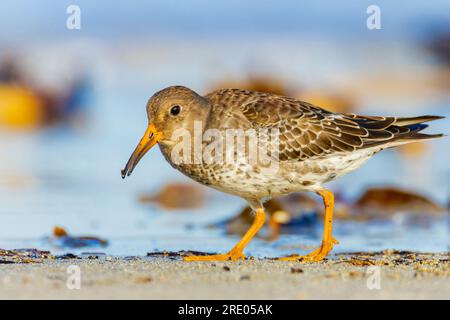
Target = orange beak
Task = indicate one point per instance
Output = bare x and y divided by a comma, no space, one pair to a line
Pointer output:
150,138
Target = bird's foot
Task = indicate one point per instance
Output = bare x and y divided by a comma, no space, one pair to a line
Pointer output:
233,255
317,255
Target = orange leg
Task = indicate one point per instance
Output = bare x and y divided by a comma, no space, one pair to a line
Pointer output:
237,252
328,239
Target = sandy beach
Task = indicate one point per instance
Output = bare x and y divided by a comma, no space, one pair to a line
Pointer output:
383,275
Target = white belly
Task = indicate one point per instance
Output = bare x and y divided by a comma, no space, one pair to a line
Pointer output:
309,175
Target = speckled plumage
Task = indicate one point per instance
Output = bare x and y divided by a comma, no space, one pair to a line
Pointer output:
315,146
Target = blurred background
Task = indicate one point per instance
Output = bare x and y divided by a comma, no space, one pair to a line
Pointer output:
72,109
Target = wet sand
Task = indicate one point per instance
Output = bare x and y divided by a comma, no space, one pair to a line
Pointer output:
403,275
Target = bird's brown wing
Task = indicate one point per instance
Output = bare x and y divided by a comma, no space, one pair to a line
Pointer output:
307,131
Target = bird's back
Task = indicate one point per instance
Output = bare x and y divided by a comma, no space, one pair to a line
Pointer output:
307,131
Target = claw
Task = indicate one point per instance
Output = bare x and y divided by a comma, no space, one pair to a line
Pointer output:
317,255
237,252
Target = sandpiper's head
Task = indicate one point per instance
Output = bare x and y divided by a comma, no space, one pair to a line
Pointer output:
168,110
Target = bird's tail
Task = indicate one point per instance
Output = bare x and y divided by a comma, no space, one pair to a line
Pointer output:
388,132
416,120
409,129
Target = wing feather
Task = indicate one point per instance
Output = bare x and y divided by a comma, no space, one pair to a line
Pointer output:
307,131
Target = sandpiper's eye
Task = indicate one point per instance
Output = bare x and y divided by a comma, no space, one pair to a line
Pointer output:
175,110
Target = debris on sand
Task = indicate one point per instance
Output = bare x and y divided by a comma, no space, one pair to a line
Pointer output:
422,263
24,256
385,203
362,262
177,196
62,239
391,200
177,255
